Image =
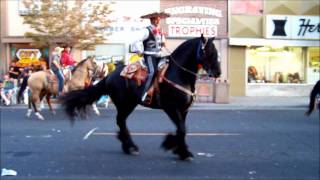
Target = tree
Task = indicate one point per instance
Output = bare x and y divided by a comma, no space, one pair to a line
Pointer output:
76,23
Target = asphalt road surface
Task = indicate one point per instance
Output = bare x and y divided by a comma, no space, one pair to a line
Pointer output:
227,144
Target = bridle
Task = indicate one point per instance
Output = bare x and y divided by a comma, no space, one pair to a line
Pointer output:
94,69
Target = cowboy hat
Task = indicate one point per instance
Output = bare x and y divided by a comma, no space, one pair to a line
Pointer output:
58,49
162,15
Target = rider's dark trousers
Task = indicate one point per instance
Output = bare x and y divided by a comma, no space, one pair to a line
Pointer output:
152,64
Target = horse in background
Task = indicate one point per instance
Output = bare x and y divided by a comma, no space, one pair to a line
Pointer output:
313,95
44,84
176,93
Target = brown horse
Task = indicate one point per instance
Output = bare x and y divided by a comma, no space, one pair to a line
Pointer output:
44,84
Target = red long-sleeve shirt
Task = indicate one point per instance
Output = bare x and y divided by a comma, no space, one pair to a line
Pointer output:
66,59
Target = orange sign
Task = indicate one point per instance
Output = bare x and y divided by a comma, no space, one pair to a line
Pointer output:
28,56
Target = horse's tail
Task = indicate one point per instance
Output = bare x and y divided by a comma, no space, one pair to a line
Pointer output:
315,91
76,102
22,88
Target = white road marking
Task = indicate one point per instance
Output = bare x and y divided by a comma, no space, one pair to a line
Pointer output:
89,133
39,136
163,134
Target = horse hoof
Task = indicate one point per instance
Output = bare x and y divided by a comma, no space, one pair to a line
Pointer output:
183,154
28,115
97,113
189,159
39,116
131,150
134,153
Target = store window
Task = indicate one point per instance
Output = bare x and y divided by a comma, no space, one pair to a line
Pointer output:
313,68
25,55
275,65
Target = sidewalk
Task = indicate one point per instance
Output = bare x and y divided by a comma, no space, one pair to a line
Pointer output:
235,103
268,102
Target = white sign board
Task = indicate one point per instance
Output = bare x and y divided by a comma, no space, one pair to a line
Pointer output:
192,21
292,27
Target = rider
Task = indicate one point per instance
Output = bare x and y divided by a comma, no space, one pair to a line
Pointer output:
66,59
55,66
153,41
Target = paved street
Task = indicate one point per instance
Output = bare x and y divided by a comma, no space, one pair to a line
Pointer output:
227,144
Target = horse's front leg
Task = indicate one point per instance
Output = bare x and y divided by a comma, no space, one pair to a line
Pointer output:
177,142
49,104
124,136
95,109
36,99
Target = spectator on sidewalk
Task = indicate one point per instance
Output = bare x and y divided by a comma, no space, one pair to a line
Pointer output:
7,90
13,71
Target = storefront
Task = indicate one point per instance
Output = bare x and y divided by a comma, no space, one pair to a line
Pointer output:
190,19
25,55
287,61
16,50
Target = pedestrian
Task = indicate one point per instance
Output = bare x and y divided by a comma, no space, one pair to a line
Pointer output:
314,99
150,45
55,66
7,89
13,71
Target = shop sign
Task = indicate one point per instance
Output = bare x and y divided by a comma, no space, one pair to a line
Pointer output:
292,27
193,18
28,56
193,26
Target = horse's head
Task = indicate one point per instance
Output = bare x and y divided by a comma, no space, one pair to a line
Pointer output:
208,57
92,66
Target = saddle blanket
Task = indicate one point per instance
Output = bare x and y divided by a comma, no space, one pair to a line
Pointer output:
135,71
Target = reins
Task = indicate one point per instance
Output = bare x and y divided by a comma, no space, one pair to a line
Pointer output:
177,86
183,68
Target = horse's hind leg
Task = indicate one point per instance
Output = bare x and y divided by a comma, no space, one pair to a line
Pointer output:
124,136
177,142
41,104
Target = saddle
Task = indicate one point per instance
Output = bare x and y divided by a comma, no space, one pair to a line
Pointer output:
51,79
138,72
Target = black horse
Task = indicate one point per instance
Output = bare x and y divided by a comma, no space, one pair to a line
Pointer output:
313,95
126,94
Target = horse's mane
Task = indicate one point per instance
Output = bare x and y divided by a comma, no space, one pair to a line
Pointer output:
80,63
185,45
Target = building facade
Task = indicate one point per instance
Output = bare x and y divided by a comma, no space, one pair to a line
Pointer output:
267,48
274,47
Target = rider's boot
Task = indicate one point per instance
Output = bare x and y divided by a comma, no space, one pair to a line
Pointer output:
147,96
